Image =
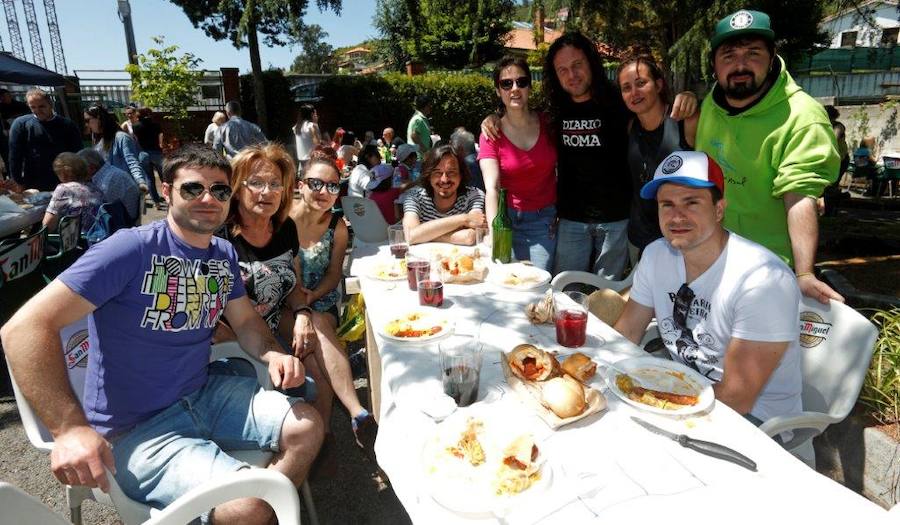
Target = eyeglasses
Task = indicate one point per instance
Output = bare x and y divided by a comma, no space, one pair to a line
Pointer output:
317,184
194,190
507,83
260,185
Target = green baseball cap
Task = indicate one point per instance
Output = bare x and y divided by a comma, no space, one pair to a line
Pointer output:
743,22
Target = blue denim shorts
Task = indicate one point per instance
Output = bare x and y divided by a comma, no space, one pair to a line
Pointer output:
183,446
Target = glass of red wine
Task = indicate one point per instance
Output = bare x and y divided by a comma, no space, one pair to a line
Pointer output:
417,269
397,240
460,357
571,318
431,290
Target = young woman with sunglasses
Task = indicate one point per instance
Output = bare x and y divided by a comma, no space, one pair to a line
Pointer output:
323,243
117,147
523,161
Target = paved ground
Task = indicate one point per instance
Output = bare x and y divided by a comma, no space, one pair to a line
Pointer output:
356,494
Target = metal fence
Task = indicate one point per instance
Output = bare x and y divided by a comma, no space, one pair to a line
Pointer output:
857,59
855,88
113,89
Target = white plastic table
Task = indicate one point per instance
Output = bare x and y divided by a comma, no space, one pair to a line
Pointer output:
606,469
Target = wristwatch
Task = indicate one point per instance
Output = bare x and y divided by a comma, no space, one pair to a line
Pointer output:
300,309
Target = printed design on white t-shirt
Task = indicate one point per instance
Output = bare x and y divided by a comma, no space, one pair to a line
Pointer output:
187,293
268,283
694,346
581,133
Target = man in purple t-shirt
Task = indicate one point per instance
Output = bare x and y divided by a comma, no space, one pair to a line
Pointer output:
155,413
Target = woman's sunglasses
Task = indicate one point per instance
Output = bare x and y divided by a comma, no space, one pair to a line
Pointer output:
507,83
317,184
193,190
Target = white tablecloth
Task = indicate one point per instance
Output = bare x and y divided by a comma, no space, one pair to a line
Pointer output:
11,223
605,467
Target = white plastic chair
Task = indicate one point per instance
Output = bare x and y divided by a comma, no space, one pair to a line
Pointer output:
365,217
568,277
24,509
75,348
837,345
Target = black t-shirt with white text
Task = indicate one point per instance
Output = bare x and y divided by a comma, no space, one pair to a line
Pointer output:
594,180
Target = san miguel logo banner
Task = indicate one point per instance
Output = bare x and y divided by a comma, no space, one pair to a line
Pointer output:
813,329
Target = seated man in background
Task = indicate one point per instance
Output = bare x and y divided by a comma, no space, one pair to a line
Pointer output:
116,184
444,208
156,414
726,306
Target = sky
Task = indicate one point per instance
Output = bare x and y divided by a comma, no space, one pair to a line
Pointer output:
93,37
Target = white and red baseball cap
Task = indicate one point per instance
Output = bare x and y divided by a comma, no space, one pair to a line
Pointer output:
687,168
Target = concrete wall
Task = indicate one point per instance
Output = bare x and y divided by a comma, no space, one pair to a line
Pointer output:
880,119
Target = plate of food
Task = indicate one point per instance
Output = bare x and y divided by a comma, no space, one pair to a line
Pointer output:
385,269
418,326
481,463
462,268
660,386
518,276
558,393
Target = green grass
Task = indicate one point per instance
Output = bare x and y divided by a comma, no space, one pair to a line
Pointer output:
881,390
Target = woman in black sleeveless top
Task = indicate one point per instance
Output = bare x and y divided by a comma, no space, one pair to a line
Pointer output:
652,136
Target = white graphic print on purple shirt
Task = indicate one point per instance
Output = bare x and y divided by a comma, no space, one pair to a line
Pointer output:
187,293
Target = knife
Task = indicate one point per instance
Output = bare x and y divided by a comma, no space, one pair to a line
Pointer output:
704,447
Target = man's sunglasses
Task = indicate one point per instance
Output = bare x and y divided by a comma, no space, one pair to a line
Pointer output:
194,190
522,82
316,185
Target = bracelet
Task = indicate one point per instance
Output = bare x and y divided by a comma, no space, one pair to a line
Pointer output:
301,309
804,274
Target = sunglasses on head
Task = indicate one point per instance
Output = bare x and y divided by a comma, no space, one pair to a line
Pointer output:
194,190
317,184
507,83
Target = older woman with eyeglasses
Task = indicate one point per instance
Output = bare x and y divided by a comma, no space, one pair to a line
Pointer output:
523,161
323,243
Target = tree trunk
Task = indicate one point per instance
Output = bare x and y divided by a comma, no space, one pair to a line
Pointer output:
474,55
538,23
412,11
259,88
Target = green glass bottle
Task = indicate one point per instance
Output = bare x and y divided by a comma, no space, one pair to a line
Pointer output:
501,233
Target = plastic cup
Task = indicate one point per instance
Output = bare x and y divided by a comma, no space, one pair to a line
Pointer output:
460,357
571,318
431,292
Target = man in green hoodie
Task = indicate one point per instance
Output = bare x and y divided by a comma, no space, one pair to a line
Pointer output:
774,143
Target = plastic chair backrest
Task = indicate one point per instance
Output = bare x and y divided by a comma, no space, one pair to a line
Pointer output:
837,345
75,346
21,257
365,217
568,277
69,235
21,507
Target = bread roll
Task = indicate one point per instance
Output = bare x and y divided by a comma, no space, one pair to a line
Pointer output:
580,367
607,305
564,396
530,363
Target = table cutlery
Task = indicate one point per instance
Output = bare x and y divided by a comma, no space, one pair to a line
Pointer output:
704,447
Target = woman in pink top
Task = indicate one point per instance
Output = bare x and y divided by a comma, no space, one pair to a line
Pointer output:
522,160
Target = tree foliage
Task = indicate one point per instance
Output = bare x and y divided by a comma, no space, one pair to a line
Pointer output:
678,31
445,33
165,80
317,55
240,21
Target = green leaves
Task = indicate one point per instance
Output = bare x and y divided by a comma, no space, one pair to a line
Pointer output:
881,390
165,80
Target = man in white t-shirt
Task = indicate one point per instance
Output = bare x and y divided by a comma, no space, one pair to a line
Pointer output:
726,306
